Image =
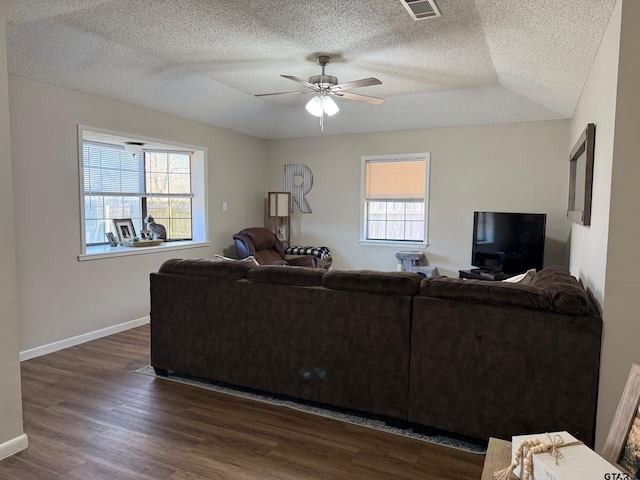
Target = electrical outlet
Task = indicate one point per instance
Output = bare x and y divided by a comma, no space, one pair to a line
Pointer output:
225,206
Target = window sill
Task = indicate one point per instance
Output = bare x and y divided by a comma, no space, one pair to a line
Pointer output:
391,243
105,251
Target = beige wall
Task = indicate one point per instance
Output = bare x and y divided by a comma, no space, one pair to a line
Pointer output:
597,105
588,259
606,254
10,395
60,297
511,167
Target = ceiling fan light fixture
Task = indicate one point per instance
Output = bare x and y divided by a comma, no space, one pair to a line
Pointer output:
322,104
329,106
133,148
314,106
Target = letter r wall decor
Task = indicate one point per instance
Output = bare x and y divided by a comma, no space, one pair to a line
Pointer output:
298,179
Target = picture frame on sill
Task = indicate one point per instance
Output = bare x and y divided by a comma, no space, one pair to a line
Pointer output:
622,447
111,239
124,229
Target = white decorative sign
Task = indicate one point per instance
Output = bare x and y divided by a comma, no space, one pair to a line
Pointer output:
298,179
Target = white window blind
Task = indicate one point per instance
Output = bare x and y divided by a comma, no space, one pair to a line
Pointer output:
120,185
395,180
395,198
111,170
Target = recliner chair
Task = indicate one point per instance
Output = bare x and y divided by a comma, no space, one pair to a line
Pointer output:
265,247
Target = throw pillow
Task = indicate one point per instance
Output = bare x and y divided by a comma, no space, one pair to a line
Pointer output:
524,278
250,260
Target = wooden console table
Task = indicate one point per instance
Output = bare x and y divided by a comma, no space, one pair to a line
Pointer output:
498,457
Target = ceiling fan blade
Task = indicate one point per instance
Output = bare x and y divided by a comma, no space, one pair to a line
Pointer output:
360,98
281,93
299,80
364,82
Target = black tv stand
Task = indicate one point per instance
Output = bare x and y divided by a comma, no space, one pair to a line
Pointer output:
482,274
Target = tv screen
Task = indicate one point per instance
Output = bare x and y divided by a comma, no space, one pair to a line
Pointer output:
511,243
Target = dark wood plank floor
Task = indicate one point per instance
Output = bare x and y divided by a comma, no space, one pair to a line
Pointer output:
88,416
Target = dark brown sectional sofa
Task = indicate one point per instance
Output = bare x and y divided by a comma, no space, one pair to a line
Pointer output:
470,357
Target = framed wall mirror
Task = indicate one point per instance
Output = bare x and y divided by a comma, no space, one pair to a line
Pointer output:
581,177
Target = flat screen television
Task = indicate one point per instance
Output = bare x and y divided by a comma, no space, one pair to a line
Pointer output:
511,243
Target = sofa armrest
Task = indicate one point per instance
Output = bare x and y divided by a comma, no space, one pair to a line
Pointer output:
303,261
277,263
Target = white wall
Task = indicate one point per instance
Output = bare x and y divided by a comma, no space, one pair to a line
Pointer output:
606,254
511,167
588,259
59,297
11,433
597,105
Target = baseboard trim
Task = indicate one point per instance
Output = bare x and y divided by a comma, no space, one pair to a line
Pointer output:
13,446
85,337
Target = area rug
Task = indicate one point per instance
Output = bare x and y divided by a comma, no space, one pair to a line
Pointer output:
467,445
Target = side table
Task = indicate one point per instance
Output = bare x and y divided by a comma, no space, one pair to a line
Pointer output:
498,457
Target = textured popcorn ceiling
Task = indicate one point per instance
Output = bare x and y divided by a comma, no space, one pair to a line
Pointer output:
482,61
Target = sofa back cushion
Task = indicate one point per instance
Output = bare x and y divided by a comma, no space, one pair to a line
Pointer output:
287,275
372,281
567,292
204,267
552,289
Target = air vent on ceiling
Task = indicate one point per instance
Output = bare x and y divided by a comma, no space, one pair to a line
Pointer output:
421,9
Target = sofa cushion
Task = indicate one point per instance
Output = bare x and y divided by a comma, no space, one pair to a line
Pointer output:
552,289
552,276
286,275
485,291
250,260
372,281
204,267
568,293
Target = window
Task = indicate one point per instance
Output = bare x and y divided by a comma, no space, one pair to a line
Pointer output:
395,198
120,185
165,181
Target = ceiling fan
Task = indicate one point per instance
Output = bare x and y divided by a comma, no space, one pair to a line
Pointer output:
327,86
